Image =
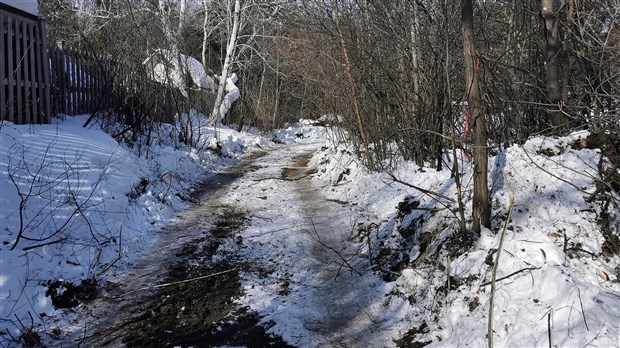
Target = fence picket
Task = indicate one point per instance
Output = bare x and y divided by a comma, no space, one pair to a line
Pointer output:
32,78
42,76
45,71
4,82
10,67
25,69
19,71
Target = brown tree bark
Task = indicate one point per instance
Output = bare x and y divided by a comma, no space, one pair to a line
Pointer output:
556,81
353,88
481,213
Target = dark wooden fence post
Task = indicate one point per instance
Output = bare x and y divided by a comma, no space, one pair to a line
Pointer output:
3,68
24,68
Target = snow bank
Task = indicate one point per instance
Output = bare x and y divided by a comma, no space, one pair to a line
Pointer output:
72,200
560,279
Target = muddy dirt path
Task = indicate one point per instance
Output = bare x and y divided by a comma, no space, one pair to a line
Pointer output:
265,259
181,293
310,276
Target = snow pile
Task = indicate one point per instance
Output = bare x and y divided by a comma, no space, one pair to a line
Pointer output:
76,205
232,94
559,268
304,130
163,71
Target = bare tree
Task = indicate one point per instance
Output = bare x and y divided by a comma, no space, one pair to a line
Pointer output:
556,73
481,213
173,35
216,116
361,128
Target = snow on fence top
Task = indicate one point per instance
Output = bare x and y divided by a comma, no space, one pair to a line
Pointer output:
29,6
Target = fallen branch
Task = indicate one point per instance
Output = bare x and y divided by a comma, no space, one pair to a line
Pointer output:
119,255
430,193
549,329
159,286
494,274
510,275
346,262
583,312
283,179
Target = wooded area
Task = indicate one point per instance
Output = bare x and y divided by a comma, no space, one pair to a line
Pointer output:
422,81
542,65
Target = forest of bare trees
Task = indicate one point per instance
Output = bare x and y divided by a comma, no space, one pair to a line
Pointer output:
410,80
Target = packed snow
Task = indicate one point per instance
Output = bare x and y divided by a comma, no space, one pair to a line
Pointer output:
355,258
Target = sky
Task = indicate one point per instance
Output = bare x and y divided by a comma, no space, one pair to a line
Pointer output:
30,6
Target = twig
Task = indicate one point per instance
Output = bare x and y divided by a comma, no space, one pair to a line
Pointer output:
594,256
430,193
170,176
119,256
583,313
597,334
318,240
549,328
284,179
494,274
510,275
30,247
448,268
159,286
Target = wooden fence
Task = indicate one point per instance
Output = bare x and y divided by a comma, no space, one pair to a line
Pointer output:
24,74
84,83
80,82
38,82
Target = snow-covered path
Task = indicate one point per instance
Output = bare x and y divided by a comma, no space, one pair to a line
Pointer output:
310,277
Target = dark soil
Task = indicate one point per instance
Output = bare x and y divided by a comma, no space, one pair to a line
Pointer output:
68,295
196,309
300,170
409,339
611,246
198,313
192,304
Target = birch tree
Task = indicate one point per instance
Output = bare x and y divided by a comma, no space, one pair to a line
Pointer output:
231,46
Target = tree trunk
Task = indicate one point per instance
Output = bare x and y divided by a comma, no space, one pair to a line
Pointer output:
353,88
216,117
481,210
553,66
205,33
415,54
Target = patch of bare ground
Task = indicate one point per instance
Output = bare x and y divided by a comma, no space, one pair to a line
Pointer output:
300,169
197,308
